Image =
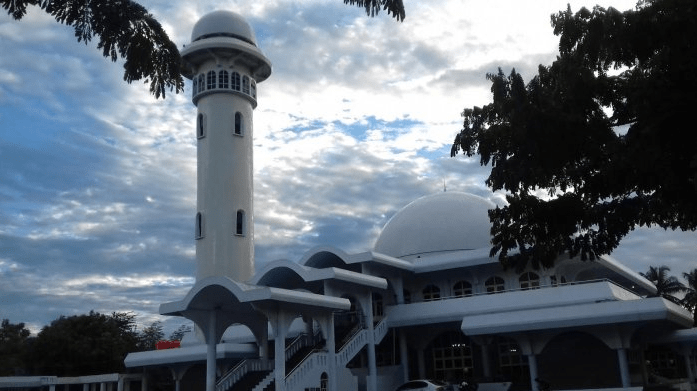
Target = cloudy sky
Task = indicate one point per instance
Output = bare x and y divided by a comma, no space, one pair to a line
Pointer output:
98,179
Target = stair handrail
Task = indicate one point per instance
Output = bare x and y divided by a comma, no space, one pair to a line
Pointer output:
238,371
319,355
380,330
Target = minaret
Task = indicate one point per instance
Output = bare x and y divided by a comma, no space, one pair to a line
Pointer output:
225,64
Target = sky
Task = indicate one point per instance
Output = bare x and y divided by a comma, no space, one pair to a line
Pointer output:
98,178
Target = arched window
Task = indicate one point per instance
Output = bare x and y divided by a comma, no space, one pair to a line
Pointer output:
529,280
223,79
201,83
245,84
254,89
238,123
494,284
194,88
324,382
235,81
199,225
210,80
431,292
240,225
462,288
200,126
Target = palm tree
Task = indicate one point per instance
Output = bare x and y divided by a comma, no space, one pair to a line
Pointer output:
666,286
690,299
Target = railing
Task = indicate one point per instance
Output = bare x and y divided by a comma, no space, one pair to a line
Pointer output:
301,341
380,330
420,300
313,364
240,370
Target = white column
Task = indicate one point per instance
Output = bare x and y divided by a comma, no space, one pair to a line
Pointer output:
331,349
532,366
404,354
280,352
422,363
486,360
372,365
624,367
211,341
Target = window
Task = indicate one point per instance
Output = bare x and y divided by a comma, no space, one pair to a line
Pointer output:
223,79
407,296
452,355
462,288
201,83
210,80
512,363
235,81
200,126
199,225
431,292
194,88
238,123
254,89
245,85
378,309
324,382
240,225
494,284
529,280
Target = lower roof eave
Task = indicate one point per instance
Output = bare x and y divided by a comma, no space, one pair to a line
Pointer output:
189,354
611,312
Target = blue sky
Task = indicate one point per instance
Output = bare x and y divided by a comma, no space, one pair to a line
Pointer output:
98,179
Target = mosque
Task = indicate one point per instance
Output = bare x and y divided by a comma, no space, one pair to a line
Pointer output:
427,302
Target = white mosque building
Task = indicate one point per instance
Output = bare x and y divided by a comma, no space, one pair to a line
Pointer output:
427,302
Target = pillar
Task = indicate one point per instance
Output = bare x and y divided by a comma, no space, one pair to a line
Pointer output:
532,366
624,367
404,354
211,341
422,363
372,364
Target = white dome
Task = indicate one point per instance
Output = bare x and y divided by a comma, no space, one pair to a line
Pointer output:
448,221
223,24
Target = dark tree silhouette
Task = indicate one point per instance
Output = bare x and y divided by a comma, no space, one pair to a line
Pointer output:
598,143
690,299
666,286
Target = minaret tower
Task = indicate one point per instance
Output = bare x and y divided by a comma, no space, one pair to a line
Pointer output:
225,65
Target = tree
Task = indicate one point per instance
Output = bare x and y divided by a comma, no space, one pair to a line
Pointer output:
126,30
179,333
13,348
595,144
690,299
666,286
150,335
84,344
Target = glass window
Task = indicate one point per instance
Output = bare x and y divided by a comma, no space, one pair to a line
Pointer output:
431,292
223,79
462,288
210,80
239,227
235,81
494,284
254,89
200,126
245,85
238,123
194,88
529,280
201,83
199,225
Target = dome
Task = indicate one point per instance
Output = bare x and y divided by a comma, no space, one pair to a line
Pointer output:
223,24
448,221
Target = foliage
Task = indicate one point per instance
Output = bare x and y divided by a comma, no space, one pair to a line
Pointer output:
690,299
597,143
13,346
666,286
148,338
179,333
373,7
84,344
125,29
